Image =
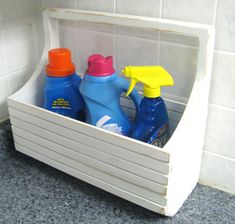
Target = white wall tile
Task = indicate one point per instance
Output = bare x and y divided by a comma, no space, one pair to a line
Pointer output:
220,133
222,90
135,51
69,39
225,25
96,5
191,11
93,43
59,4
1,20
16,13
2,59
4,92
146,34
68,23
179,39
20,48
18,79
38,32
139,7
218,172
180,62
96,27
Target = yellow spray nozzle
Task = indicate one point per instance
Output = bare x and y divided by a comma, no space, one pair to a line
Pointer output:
153,77
132,86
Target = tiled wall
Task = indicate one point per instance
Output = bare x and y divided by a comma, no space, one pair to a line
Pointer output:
177,53
19,50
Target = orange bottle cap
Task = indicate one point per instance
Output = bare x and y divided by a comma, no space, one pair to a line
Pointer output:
60,63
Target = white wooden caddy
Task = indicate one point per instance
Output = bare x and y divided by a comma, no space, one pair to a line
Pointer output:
157,179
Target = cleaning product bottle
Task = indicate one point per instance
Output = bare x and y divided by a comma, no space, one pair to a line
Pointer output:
61,93
101,89
152,125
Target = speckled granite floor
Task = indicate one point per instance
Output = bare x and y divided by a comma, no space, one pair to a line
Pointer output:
32,192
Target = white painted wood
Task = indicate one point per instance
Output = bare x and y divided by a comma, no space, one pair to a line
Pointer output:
94,153
100,144
90,161
56,154
157,179
92,180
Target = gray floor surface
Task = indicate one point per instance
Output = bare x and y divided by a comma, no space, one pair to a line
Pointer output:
32,192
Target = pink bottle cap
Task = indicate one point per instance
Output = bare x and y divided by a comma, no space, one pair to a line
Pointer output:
99,65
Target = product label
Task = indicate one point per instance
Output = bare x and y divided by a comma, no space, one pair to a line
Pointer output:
61,103
161,136
113,127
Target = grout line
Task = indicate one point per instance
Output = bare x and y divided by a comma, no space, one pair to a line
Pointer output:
115,37
3,46
224,52
146,39
159,48
159,35
18,71
2,39
75,4
115,46
215,12
43,4
15,28
221,107
218,155
115,6
78,46
161,8
179,44
36,37
21,70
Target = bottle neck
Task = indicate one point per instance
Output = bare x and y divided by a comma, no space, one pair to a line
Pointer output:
152,99
100,79
60,79
152,92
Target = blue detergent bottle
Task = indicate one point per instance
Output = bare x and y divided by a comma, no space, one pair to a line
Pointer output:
101,89
152,125
61,93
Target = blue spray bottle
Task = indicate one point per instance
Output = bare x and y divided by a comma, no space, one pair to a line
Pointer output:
152,125
101,89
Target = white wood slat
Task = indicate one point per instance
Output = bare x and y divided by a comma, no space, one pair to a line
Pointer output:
103,135
97,164
92,152
120,152
53,154
21,135
92,180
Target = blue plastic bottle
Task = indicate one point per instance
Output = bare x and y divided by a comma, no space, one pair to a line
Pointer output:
61,93
152,124
101,89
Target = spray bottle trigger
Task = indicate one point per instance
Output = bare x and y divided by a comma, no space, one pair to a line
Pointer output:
131,87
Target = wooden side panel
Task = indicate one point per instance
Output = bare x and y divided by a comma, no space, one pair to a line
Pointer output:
92,180
141,151
92,152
